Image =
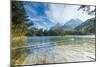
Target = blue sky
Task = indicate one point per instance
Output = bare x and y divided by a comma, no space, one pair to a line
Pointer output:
56,13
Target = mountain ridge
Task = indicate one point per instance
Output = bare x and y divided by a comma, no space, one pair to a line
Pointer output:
89,26
71,24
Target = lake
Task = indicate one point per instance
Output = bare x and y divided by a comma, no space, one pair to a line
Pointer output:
59,49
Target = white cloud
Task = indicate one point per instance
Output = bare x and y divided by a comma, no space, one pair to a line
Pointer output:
60,13
30,11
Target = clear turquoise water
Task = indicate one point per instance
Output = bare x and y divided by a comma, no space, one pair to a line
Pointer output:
59,49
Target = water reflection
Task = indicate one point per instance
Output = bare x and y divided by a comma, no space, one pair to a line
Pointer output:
43,43
47,49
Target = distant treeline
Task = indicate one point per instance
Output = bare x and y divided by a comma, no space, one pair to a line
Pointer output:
57,32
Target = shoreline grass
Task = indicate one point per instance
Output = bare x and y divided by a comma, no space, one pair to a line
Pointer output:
18,54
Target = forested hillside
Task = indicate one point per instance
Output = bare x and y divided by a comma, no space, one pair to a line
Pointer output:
88,27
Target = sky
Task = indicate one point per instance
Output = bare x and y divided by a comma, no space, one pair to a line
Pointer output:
56,13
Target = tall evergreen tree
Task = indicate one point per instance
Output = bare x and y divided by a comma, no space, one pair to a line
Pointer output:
18,18
18,12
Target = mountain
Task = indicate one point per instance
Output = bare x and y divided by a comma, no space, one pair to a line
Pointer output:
88,27
56,26
71,24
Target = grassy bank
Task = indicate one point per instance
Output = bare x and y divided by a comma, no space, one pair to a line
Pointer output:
18,39
18,54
